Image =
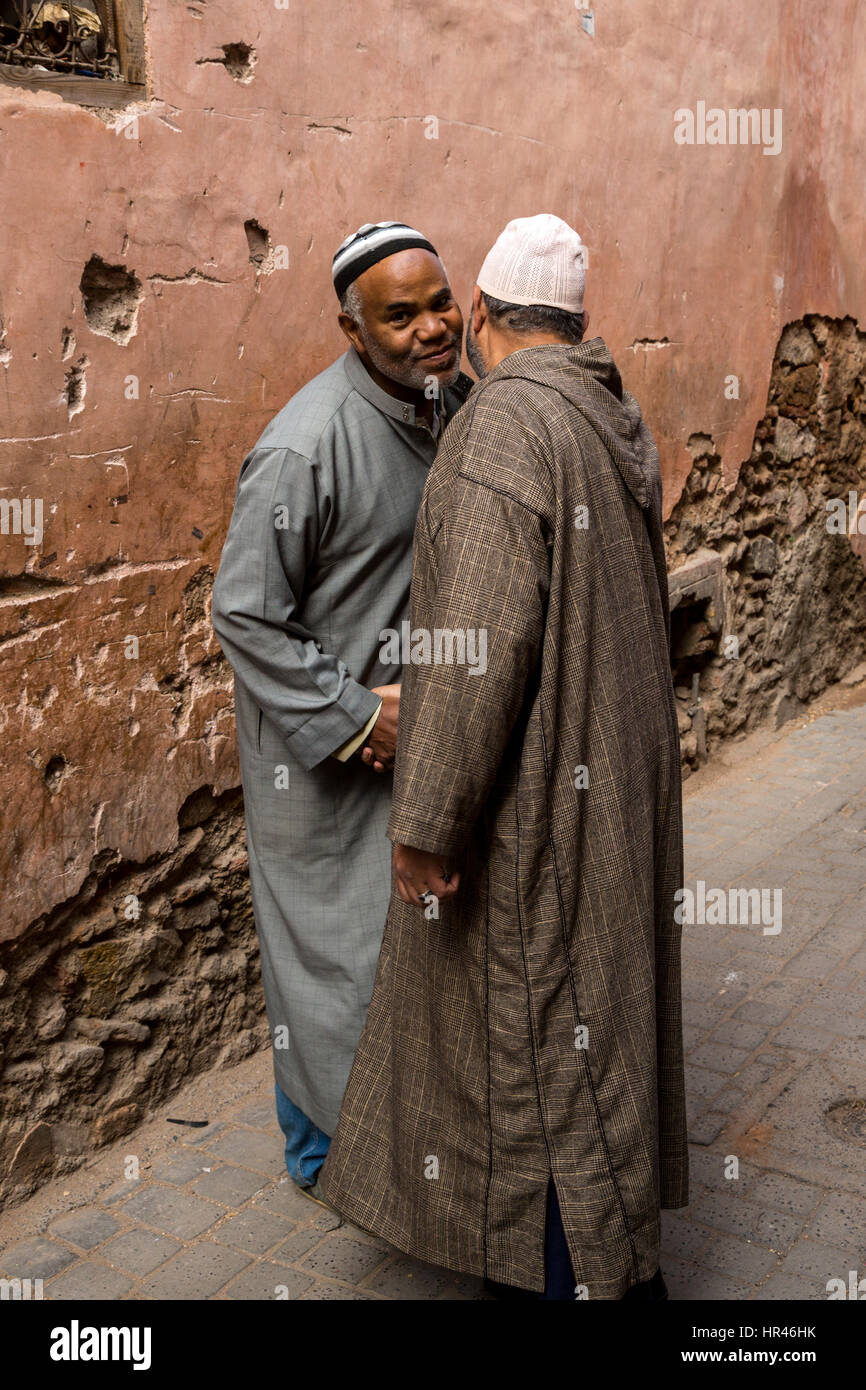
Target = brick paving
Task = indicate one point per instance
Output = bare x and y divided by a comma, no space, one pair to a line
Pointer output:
775,1030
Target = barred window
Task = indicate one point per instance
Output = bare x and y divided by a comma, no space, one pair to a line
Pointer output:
91,53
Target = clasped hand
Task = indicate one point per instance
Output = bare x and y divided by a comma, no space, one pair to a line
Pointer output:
418,873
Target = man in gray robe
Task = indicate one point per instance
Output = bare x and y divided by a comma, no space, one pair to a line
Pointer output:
317,562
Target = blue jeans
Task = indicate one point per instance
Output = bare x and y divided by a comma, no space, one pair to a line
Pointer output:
306,1145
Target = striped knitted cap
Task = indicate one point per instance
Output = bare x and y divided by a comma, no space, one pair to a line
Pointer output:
370,244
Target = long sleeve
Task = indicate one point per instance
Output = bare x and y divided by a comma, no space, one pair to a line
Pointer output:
491,586
308,693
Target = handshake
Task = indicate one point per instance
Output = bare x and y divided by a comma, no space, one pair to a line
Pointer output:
381,745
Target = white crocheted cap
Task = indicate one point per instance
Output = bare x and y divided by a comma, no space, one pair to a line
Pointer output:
536,260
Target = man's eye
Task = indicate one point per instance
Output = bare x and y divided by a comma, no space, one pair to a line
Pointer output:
399,318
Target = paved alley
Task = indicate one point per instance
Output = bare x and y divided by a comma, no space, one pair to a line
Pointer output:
775,1029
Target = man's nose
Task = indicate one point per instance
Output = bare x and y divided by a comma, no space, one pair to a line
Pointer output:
431,326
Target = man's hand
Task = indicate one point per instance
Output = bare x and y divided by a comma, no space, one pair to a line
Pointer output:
418,872
381,746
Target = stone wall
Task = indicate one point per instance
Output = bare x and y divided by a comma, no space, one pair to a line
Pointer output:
147,976
772,591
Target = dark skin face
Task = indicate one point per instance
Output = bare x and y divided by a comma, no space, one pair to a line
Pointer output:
412,327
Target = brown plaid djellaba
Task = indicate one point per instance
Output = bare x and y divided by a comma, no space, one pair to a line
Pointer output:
534,1028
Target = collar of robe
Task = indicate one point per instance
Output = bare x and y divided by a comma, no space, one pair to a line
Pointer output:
389,405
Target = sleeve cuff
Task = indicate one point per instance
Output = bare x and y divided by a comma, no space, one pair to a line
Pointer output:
343,754
329,730
405,830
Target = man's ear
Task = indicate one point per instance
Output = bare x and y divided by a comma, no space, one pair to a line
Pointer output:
479,311
350,328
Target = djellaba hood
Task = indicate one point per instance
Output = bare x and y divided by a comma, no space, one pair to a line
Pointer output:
587,376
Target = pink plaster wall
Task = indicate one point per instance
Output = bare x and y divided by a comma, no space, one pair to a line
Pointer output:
712,248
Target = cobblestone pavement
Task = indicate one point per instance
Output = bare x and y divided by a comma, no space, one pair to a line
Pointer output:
775,1028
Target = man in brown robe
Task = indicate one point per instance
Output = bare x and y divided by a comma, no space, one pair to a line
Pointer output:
521,1064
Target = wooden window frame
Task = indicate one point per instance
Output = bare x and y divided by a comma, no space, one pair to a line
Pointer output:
128,18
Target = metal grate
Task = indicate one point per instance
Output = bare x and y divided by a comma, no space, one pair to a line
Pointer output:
59,36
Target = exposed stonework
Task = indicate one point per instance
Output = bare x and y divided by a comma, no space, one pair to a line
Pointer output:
238,59
111,296
146,977
790,592
75,388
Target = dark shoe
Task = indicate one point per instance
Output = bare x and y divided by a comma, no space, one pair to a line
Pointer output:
648,1290
314,1192
507,1291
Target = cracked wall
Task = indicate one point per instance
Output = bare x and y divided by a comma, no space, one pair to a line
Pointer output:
164,287
790,599
147,976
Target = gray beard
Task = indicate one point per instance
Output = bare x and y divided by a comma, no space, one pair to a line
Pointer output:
473,352
413,375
